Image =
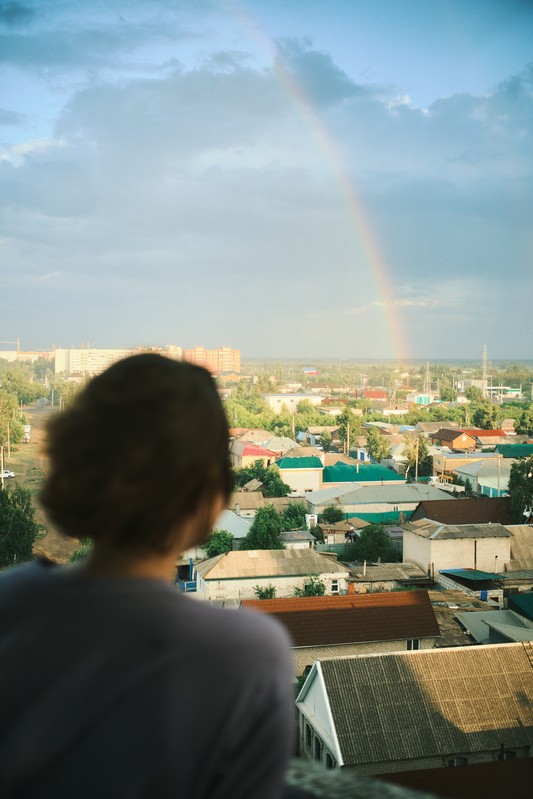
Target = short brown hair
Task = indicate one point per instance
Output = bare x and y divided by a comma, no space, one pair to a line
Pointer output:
141,448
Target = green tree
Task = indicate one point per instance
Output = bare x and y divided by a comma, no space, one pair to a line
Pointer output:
219,541
18,528
325,440
332,514
373,544
9,419
265,532
448,394
293,517
474,394
520,488
273,485
524,425
485,415
266,592
349,425
377,445
82,551
18,381
313,586
416,449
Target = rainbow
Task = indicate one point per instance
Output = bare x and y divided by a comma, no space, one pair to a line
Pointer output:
358,218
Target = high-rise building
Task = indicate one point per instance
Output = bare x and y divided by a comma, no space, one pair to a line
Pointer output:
223,359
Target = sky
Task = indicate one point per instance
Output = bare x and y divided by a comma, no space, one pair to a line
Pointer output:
313,178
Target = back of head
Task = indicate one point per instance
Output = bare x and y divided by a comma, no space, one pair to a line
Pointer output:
142,448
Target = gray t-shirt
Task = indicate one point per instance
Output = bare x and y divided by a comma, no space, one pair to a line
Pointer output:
125,688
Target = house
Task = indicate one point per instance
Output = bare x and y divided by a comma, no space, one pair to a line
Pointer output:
466,511
414,711
489,476
360,474
238,526
496,626
329,627
340,532
313,435
375,394
279,444
387,577
290,402
298,539
235,575
487,438
301,474
445,462
437,547
521,547
430,428
376,503
446,604
456,440
243,454
246,503
250,435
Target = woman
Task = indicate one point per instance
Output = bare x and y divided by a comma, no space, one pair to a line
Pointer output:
112,683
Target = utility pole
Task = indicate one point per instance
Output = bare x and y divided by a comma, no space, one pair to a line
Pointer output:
8,444
416,460
2,465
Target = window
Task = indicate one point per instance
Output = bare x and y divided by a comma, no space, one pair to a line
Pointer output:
507,754
330,763
318,749
413,643
458,761
334,586
307,736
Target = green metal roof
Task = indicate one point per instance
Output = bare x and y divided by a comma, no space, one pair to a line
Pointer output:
472,574
515,450
377,518
522,604
364,473
312,462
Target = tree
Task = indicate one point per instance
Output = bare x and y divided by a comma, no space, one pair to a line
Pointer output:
332,514
82,551
373,544
293,517
474,394
9,419
219,541
524,425
313,586
272,484
419,461
448,394
520,488
485,415
267,592
18,528
377,445
349,426
325,440
265,532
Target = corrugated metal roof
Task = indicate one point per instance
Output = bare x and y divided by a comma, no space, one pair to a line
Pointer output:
395,494
344,473
436,531
268,563
287,462
411,705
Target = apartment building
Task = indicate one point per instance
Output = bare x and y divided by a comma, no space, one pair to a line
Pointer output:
223,359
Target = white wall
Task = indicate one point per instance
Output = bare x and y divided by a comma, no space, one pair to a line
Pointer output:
244,588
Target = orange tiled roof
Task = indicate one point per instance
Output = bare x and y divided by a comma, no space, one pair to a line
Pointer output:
323,621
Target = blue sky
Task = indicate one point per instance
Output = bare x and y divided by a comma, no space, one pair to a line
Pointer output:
225,173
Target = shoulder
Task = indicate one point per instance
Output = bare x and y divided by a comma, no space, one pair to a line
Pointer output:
20,580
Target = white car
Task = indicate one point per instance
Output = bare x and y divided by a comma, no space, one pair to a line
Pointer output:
6,473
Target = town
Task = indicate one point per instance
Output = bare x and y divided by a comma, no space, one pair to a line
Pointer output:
383,515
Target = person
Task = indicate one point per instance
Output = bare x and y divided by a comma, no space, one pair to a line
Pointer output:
113,684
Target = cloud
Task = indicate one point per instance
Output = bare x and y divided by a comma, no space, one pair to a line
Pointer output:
12,118
13,14
202,202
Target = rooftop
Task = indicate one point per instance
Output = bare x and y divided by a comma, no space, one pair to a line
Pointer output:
326,621
428,703
311,462
256,563
521,547
434,530
465,511
365,472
